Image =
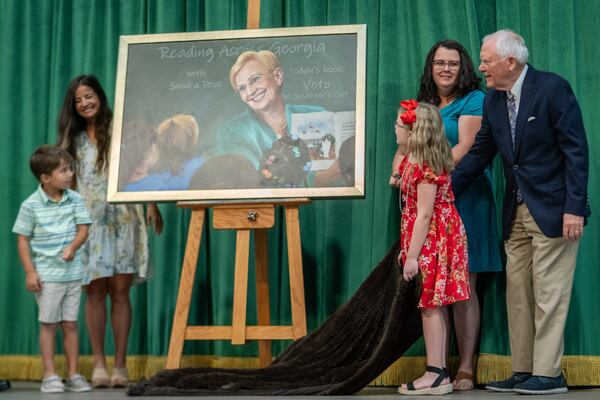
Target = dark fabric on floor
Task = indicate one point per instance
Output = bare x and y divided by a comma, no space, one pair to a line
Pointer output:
356,344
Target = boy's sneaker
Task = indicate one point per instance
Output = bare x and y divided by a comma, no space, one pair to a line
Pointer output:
77,383
538,384
52,384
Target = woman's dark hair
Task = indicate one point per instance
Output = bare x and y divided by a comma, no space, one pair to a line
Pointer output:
71,124
226,171
466,82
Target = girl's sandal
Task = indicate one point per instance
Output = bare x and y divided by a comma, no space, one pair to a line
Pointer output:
463,381
434,389
100,378
119,378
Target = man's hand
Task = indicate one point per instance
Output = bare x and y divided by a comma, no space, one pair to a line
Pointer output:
33,282
572,227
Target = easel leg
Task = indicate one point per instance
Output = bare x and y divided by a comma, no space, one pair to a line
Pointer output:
240,287
186,284
253,14
296,276
262,293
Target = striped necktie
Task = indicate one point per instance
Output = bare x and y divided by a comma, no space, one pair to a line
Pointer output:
511,105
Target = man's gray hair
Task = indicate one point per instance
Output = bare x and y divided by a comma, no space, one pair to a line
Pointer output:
509,44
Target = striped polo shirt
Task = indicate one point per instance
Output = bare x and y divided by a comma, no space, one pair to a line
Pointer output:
51,226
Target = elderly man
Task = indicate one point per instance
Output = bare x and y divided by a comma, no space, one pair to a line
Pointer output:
533,120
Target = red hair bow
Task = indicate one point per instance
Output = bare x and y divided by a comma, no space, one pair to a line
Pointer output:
409,117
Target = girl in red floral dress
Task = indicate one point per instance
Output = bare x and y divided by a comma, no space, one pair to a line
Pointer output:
432,236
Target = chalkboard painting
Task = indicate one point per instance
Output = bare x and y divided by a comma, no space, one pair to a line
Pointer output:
250,114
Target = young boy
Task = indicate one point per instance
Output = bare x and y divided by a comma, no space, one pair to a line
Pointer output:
52,224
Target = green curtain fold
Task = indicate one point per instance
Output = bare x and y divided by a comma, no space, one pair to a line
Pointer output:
44,43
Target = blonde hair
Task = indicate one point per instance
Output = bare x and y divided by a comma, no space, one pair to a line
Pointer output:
177,138
428,143
265,57
182,126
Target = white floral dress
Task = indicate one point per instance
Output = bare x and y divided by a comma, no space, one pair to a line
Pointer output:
118,240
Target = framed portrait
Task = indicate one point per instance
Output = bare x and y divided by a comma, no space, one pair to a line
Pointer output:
240,115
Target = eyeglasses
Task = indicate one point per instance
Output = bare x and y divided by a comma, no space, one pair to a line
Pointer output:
397,125
252,82
441,64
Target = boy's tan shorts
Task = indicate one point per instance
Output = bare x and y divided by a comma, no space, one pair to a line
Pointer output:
58,301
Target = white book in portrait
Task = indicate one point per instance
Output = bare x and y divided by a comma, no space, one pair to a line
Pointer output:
323,132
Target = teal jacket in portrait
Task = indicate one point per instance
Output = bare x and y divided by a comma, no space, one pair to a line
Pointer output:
249,136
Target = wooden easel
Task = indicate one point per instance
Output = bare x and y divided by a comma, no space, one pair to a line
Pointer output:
257,217
243,217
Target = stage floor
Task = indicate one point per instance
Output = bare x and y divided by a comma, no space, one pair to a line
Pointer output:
31,391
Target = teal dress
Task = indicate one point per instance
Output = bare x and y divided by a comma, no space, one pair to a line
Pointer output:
251,137
476,205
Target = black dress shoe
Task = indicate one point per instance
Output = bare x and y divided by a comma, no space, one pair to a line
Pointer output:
4,385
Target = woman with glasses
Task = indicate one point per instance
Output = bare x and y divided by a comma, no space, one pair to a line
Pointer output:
450,83
257,77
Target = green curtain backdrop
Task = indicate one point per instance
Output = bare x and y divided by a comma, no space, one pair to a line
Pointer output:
44,43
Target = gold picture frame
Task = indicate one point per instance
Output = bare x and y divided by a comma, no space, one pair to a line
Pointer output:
184,130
